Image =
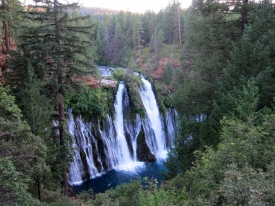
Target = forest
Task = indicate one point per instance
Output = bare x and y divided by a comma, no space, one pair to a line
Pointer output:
213,62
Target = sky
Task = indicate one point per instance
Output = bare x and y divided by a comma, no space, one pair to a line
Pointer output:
132,5
139,6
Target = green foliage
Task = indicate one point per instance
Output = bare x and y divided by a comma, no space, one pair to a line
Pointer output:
154,195
248,186
8,107
35,106
210,32
245,142
124,195
86,196
53,51
168,74
11,16
120,74
135,99
92,103
54,198
22,153
132,64
14,185
252,56
133,82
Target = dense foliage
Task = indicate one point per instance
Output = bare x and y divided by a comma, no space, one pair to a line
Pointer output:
91,103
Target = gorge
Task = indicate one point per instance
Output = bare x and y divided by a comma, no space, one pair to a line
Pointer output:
123,142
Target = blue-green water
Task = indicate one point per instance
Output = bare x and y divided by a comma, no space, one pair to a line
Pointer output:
113,178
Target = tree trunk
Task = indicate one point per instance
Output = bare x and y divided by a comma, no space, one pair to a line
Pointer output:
179,25
139,39
156,50
244,14
6,28
60,100
38,188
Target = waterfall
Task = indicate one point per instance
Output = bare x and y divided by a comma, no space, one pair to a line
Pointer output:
126,162
113,143
108,134
133,128
156,140
76,165
171,117
82,150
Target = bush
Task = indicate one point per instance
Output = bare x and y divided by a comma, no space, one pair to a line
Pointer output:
92,103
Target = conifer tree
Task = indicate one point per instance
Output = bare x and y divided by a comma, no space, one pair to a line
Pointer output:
22,153
210,31
10,16
57,49
36,111
137,36
251,57
156,44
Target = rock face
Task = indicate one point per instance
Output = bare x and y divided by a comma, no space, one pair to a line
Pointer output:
94,83
107,83
143,151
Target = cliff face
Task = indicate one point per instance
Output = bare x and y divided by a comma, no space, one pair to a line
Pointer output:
144,153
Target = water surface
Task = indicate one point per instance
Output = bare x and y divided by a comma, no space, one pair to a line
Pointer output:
113,178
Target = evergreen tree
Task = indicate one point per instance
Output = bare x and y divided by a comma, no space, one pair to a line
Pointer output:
246,146
22,153
149,23
168,74
209,34
117,45
171,23
10,16
156,44
53,44
137,36
251,57
37,113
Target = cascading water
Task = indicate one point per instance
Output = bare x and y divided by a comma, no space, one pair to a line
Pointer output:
107,132
82,150
114,143
133,128
156,142
126,162
76,165
171,116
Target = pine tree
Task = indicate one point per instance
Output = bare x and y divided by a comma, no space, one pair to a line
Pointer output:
210,31
37,113
156,44
137,36
10,16
57,49
257,42
22,153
